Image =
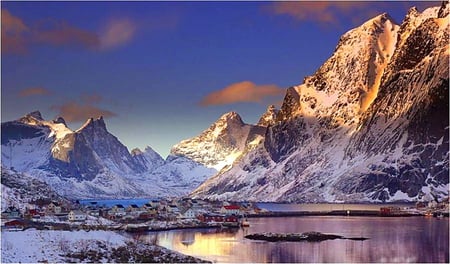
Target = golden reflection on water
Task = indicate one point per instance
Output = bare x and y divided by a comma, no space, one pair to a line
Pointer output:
411,239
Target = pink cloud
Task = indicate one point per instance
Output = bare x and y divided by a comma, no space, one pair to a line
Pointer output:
117,33
17,37
75,112
325,12
62,34
245,91
13,29
33,91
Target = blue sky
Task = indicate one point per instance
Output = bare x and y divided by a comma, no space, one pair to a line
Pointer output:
161,72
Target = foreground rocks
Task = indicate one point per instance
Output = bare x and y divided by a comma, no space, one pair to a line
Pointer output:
130,253
292,237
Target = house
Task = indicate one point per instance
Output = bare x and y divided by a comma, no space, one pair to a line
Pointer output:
172,209
230,210
154,203
32,213
94,212
218,218
118,210
54,208
11,213
188,213
133,208
76,215
15,225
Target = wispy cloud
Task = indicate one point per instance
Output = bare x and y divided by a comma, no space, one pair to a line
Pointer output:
17,36
324,12
33,91
91,98
59,33
73,111
116,33
13,30
245,91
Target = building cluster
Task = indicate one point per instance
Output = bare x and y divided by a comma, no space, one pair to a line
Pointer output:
160,210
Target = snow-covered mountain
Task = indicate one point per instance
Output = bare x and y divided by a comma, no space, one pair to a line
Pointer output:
20,190
222,143
371,124
91,162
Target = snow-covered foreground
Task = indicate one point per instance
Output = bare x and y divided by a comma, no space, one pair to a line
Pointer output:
41,245
32,246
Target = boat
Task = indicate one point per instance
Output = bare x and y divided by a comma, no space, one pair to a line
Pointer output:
230,224
245,223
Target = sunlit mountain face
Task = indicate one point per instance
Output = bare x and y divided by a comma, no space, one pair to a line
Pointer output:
370,125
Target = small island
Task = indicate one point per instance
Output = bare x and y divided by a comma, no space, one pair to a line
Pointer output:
295,237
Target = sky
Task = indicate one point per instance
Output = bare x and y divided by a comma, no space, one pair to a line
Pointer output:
161,72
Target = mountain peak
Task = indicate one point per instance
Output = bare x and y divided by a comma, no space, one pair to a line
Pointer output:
93,123
60,120
269,117
230,116
136,151
35,114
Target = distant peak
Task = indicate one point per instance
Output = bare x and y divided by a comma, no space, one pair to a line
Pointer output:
412,11
268,118
232,117
60,120
93,123
35,114
136,151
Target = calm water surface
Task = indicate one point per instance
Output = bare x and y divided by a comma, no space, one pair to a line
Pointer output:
399,239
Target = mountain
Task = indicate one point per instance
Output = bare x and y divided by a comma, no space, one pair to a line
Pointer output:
222,143
20,190
371,124
91,162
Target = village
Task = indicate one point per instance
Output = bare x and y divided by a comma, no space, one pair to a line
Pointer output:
166,214
153,215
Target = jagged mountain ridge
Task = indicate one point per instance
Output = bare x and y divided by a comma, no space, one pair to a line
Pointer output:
91,162
222,143
364,127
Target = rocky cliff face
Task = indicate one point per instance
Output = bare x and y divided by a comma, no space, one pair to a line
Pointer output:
370,125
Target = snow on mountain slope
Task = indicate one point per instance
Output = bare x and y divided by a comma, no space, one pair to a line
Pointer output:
220,144
91,162
376,134
19,190
148,159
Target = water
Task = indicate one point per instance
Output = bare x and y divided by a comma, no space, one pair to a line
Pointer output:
111,202
278,207
399,239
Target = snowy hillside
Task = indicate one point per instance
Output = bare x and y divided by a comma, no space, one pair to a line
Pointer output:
370,125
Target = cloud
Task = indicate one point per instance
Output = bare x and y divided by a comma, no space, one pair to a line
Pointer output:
322,12
75,112
117,33
59,33
13,29
17,37
242,92
33,91
91,98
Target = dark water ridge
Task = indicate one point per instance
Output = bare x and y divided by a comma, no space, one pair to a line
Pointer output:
399,239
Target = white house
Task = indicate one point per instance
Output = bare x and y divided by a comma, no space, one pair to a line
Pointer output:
76,215
231,209
188,214
118,210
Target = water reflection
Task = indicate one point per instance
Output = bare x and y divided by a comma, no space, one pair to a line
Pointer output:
411,239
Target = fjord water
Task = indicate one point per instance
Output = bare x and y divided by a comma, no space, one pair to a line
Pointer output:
391,239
